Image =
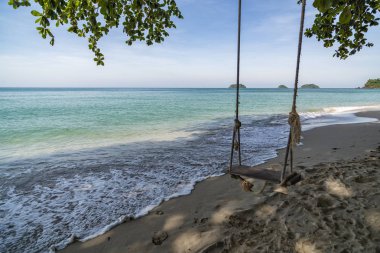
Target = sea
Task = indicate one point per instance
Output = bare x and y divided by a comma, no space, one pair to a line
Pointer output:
76,162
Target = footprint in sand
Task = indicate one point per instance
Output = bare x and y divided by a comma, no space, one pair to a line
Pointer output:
362,179
324,202
216,247
200,221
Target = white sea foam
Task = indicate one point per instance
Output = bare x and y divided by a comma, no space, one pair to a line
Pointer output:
337,116
351,109
338,110
187,189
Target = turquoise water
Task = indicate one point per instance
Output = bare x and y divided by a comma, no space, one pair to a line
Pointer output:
76,162
44,121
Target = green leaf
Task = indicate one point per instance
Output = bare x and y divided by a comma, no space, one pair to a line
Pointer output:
36,13
345,16
322,5
316,3
326,5
49,32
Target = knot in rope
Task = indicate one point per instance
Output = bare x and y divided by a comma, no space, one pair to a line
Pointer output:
237,124
295,127
236,129
236,145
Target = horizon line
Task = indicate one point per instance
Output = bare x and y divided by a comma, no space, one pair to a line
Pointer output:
163,87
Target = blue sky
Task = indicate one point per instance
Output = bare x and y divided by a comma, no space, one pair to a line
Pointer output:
201,52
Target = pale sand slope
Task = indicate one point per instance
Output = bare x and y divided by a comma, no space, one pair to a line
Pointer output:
337,205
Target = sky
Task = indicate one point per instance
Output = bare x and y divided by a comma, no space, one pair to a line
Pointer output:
201,52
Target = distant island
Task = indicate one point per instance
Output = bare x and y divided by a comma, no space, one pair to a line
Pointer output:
240,86
372,84
310,86
282,87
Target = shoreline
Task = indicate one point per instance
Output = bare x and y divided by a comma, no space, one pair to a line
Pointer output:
200,214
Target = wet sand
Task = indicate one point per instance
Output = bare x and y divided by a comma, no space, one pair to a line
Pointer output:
336,208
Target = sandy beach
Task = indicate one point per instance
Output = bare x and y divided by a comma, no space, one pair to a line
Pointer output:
336,208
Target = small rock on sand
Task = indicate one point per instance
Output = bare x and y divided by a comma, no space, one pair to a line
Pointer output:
159,237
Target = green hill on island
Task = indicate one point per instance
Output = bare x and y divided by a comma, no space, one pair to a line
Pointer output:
282,86
240,86
310,86
372,84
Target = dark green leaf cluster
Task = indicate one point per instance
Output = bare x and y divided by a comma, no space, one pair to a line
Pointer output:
344,22
141,20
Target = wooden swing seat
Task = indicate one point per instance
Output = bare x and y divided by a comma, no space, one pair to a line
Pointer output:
256,173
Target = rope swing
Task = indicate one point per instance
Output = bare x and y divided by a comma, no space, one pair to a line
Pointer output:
236,131
294,119
294,138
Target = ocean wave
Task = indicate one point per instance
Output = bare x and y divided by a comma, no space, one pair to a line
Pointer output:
338,110
351,109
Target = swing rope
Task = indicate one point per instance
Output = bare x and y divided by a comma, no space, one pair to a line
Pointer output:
246,185
236,132
294,119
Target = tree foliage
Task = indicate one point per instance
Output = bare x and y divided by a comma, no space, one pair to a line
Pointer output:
143,20
344,22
